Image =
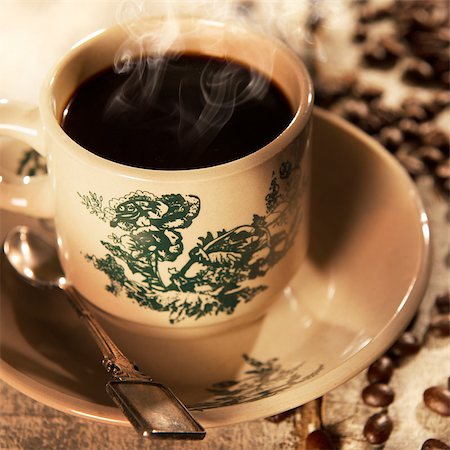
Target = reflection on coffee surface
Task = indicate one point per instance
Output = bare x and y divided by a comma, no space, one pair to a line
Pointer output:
176,112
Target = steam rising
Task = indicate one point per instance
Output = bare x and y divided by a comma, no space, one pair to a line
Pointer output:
222,90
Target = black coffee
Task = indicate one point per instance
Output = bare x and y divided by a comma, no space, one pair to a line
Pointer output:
176,112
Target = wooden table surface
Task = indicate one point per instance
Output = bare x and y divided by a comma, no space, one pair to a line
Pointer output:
27,51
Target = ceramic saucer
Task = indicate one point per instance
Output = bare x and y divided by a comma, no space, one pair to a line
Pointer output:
365,275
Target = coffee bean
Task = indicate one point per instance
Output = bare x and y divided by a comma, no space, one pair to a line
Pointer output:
436,138
415,112
393,46
318,440
245,7
360,33
371,124
426,128
440,325
431,108
277,418
442,302
381,370
390,137
414,166
367,92
378,394
445,185
437,398
426,44
442,171
428,19
430,155
409,128
443,32
379,54
355,110
385,113
434,444
406,345
378,428
418,71
329,91
368,13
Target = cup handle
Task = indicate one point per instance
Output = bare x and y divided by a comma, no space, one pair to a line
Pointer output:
32,195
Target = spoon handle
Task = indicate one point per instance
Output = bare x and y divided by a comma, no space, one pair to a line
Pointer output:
114,361
152,408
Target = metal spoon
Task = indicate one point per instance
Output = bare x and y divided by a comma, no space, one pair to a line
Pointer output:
153,410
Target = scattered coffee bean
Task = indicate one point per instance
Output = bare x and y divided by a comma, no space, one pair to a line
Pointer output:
277,418
393,46
440,325
369,13
426,128
443,32
426,19
418,71
378,394
367,91
360,33
414,166
436,138
409,128
424,26
355,110
434,444
406,345
390,137
378,428
442,302
318,440
441,99
427,44
437,398
445,185
416,112
442,175
443,170
385,113
329,91
381,370
376,54
371,124
431,108
430,155
245,7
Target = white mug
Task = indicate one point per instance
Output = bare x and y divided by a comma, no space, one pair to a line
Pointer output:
173,250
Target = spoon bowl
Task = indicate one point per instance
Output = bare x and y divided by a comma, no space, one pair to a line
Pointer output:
33,258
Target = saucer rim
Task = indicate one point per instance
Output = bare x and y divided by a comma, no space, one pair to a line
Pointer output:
283,401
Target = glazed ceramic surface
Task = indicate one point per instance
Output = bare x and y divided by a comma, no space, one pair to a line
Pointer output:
365,274
174,249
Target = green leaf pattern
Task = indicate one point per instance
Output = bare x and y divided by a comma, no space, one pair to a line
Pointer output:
213,280
31,164
262,379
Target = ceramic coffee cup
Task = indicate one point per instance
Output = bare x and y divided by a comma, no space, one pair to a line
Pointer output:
173,250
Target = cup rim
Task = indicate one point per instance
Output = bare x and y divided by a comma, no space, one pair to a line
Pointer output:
298,122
